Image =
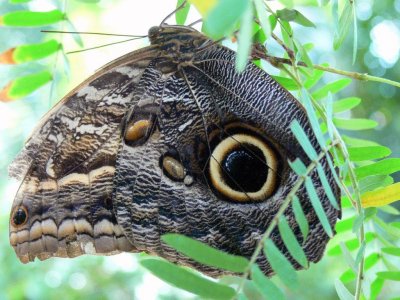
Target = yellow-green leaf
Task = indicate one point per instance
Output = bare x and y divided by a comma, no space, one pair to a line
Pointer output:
23,86
187,280
27,18
204,6
382,196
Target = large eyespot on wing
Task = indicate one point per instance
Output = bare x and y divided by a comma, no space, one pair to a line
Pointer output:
243,168
68,164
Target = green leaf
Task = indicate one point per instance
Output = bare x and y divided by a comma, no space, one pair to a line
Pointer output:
18,1
298,167
344,224
389,230
355,33
287,83
355,124
391,250
319,210
295,16
345,104
342,291
26,53
303,140
373,182
389,275
303,54
312,115
368,153
348,276
300,217
23,86
314,78
205,254
244,39
279,263
345,21
383,167
77,37
351,244
187,280
376,287
327,187
332,87
355,142
263,17
371,260
347,257
31,18
291,243
266,286
224,16
181,14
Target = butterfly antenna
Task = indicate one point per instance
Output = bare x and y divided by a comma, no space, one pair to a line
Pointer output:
174,12
97,47
93,33
195,22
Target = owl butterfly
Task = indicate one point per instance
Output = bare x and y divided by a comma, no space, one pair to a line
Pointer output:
168,138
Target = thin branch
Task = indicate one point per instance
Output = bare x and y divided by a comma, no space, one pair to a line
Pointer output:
282,208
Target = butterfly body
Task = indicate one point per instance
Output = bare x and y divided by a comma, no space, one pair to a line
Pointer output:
165,139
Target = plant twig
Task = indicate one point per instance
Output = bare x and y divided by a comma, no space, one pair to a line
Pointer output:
281,210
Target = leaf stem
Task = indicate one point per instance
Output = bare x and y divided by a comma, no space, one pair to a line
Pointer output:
280,212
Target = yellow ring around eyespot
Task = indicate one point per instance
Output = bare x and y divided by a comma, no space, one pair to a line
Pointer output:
216,172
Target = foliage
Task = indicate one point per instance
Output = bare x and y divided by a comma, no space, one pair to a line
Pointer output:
366,238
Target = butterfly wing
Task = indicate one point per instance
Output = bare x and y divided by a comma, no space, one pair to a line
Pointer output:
64,206
152,198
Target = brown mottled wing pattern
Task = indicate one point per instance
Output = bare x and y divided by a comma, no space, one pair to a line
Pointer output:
68,164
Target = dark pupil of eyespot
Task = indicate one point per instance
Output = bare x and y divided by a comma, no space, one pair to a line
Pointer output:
19,216
245,169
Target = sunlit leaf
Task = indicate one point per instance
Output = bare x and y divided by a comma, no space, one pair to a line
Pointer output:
345,104
205,254
314,78
383,167
382,196
279,263
29,52
376,288
344,224
300,217
187,280
348,276
222,18
204,6
181,14
368,153
371,260
345,21
342,291
391,250
19,1
266,286
389,275
355,124
23,86
332,87
351,244
355,142
291,243
31,18
288,83
244,39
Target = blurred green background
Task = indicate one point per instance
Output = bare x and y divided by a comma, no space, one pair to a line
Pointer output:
120,276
